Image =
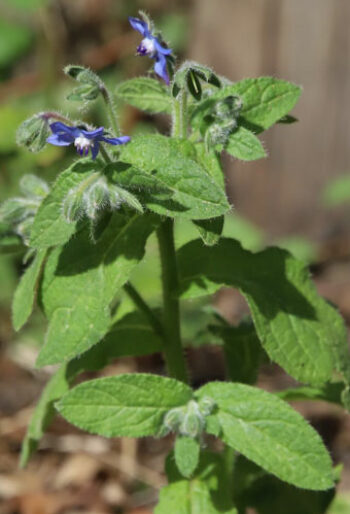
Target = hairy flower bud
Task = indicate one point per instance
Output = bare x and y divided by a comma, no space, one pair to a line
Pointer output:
33,132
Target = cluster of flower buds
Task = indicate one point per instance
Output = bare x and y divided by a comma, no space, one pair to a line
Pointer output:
222,120
188,420
94,195
19,212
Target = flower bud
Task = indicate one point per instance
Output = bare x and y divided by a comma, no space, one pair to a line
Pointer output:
206,405
172,420
193,422
33,132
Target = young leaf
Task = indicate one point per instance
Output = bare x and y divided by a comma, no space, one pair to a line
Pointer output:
24,298
208,492
188,497
129,336
265,100
186,454
270,433
80,281
146,94
266,494
130,405
210,230
161,167
242,351
50,227
297,328
244,145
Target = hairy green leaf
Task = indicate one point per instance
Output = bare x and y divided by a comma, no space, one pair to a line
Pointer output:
167,178
186,454
24,298
131,405
265,100
270,433
129,336
50,227
210,230
257,489
242,351
208,492
80,281
146,94
297,328
244,145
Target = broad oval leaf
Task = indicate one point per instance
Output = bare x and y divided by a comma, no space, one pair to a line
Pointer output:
164,171
50,227
146,94
130,405
265,100
272,434
129,336
298,329
80,281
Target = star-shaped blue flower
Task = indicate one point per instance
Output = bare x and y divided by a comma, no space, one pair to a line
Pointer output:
151,46
84,140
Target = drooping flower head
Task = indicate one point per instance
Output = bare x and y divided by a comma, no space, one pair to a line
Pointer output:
152,47
83,140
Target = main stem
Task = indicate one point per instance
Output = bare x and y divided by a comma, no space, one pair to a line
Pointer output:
173,350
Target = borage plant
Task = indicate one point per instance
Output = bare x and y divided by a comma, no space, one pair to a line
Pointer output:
86,235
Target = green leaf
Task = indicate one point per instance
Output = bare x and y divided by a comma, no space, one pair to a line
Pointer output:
43,413
270,433
266,494
25,294
242,351
331,392
210,161
130,405
298,329
208,492
50,227
265,100
244,145
210,230
80,281
186,454
146,94
130,336
166,178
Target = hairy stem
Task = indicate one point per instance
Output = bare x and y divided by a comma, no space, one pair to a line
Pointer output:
144,307
180,115
173,350
110,109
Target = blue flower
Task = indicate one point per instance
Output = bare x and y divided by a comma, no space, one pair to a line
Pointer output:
151,46
84,140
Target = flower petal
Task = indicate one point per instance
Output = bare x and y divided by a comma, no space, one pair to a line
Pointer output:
161,49
93,134
139,25
95,148
116,140
60,128
59,140
160,68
